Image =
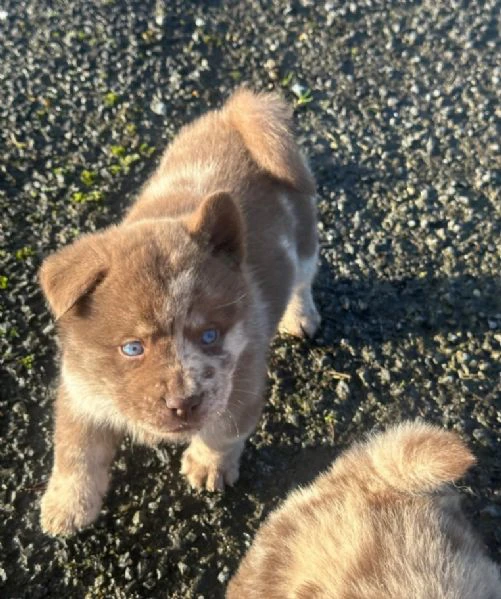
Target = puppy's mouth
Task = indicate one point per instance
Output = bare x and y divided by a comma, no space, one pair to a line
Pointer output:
170,430
183,417
170,425
180,420
186,427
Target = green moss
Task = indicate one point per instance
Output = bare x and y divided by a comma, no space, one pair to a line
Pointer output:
305,98
117,150
88,177
146,150
4,281
24,252
12,333
131,158
330,419
27,361
285,82
110,99
115,169
130,129
126,161
80,197
95,196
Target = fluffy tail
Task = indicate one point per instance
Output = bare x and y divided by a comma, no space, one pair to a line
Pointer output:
265,123
411,457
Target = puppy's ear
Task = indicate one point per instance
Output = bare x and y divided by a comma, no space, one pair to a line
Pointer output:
72,272
218,222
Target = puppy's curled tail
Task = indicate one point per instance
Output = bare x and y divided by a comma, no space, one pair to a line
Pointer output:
412,457
264,122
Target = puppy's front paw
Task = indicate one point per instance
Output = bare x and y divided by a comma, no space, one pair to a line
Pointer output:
66,508
301,318
304,325
206,469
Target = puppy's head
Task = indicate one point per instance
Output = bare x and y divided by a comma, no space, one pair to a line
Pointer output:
151,317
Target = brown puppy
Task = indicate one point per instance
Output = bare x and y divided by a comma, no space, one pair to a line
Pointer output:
165,319
380,524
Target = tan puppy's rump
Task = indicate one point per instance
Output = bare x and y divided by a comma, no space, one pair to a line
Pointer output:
380,524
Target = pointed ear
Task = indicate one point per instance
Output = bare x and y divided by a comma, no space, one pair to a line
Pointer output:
72,272
218,222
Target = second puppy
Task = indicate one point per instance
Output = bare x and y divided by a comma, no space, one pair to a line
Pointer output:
380,524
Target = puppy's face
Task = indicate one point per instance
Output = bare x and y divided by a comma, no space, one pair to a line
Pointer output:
158,325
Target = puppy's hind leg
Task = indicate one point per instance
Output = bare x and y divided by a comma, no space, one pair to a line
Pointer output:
301,317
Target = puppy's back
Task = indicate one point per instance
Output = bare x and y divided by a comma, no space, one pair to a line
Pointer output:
250,135
380,524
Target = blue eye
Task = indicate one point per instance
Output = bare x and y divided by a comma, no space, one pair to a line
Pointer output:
132,349
209,336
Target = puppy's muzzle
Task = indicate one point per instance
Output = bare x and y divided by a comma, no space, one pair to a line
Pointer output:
183,407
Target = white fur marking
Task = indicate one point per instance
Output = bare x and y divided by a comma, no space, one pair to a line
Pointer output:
235,340
198,174
286,206
307,267
91,403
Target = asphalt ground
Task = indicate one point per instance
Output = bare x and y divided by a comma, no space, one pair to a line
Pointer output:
397,105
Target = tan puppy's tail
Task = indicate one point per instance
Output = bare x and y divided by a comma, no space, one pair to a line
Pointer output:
411,457
265,123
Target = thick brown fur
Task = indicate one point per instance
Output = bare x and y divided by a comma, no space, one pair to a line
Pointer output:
221,238
380,524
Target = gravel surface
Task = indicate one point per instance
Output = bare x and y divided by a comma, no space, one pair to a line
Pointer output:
396,105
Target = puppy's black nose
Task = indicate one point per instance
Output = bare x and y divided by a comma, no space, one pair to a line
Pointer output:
183,406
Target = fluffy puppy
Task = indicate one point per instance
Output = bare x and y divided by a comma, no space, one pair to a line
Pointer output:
165,319
380,524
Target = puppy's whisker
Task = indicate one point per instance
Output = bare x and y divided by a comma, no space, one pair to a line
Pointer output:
238,402
252,393
239,299
232,420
